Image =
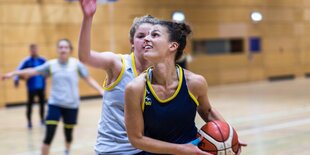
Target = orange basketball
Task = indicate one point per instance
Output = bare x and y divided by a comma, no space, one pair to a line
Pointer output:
218,138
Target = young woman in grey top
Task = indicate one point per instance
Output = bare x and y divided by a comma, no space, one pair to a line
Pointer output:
121,69
64,96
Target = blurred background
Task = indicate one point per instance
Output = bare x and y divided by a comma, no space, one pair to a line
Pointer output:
232,41
234,44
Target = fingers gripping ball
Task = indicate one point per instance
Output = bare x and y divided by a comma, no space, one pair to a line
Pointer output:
218,138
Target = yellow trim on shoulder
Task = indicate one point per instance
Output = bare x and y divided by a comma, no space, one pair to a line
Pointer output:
193,98
69,126
175,93
143,102
134,64
118,78
51,122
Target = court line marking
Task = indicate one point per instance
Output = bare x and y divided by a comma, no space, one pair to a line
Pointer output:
269,115
240,133
60,149
244,132
267,128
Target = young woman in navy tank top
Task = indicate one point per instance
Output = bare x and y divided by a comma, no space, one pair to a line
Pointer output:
161,104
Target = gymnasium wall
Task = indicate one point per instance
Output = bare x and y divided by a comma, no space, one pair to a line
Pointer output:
284,33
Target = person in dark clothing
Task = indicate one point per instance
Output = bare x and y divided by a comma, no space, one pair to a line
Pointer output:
35,84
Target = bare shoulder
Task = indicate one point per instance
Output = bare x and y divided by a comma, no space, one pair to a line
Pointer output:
193,78
195,82
137,84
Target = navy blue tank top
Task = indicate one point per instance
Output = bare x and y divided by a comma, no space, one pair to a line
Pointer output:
171,120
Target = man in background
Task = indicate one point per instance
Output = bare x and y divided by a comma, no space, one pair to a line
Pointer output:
35,84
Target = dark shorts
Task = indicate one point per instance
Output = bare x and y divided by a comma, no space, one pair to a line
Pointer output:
54,113
140,153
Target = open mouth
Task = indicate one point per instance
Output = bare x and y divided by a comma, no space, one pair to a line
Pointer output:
148,47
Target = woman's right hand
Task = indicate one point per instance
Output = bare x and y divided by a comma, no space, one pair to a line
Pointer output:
7,76
190,149
88,7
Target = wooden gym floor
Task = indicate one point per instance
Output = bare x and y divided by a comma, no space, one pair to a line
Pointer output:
272,117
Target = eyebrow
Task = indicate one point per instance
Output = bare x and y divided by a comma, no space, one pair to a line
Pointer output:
140,33
156,30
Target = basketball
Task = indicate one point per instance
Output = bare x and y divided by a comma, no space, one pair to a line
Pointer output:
218,138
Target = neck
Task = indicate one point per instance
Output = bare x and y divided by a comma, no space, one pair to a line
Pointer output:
63,60
141,64
164,73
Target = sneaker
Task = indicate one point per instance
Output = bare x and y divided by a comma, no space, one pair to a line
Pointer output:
42,123
29,125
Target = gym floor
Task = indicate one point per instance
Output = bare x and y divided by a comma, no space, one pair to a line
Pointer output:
271,117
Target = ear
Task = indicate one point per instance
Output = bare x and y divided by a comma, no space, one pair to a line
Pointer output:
132,48
173,46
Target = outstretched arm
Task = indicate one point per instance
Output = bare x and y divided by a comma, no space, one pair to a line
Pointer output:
135,126
25,72
104,60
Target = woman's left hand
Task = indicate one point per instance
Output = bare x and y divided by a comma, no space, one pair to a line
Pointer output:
241,144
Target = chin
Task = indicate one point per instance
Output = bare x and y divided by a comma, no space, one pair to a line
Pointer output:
151,57
147,55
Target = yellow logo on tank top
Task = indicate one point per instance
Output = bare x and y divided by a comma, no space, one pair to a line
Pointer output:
148,101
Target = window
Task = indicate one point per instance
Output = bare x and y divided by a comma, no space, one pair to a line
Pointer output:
218,46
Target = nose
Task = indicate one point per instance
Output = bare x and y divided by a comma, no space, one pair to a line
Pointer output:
147,38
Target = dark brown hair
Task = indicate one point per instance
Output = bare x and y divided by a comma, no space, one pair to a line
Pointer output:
178,32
